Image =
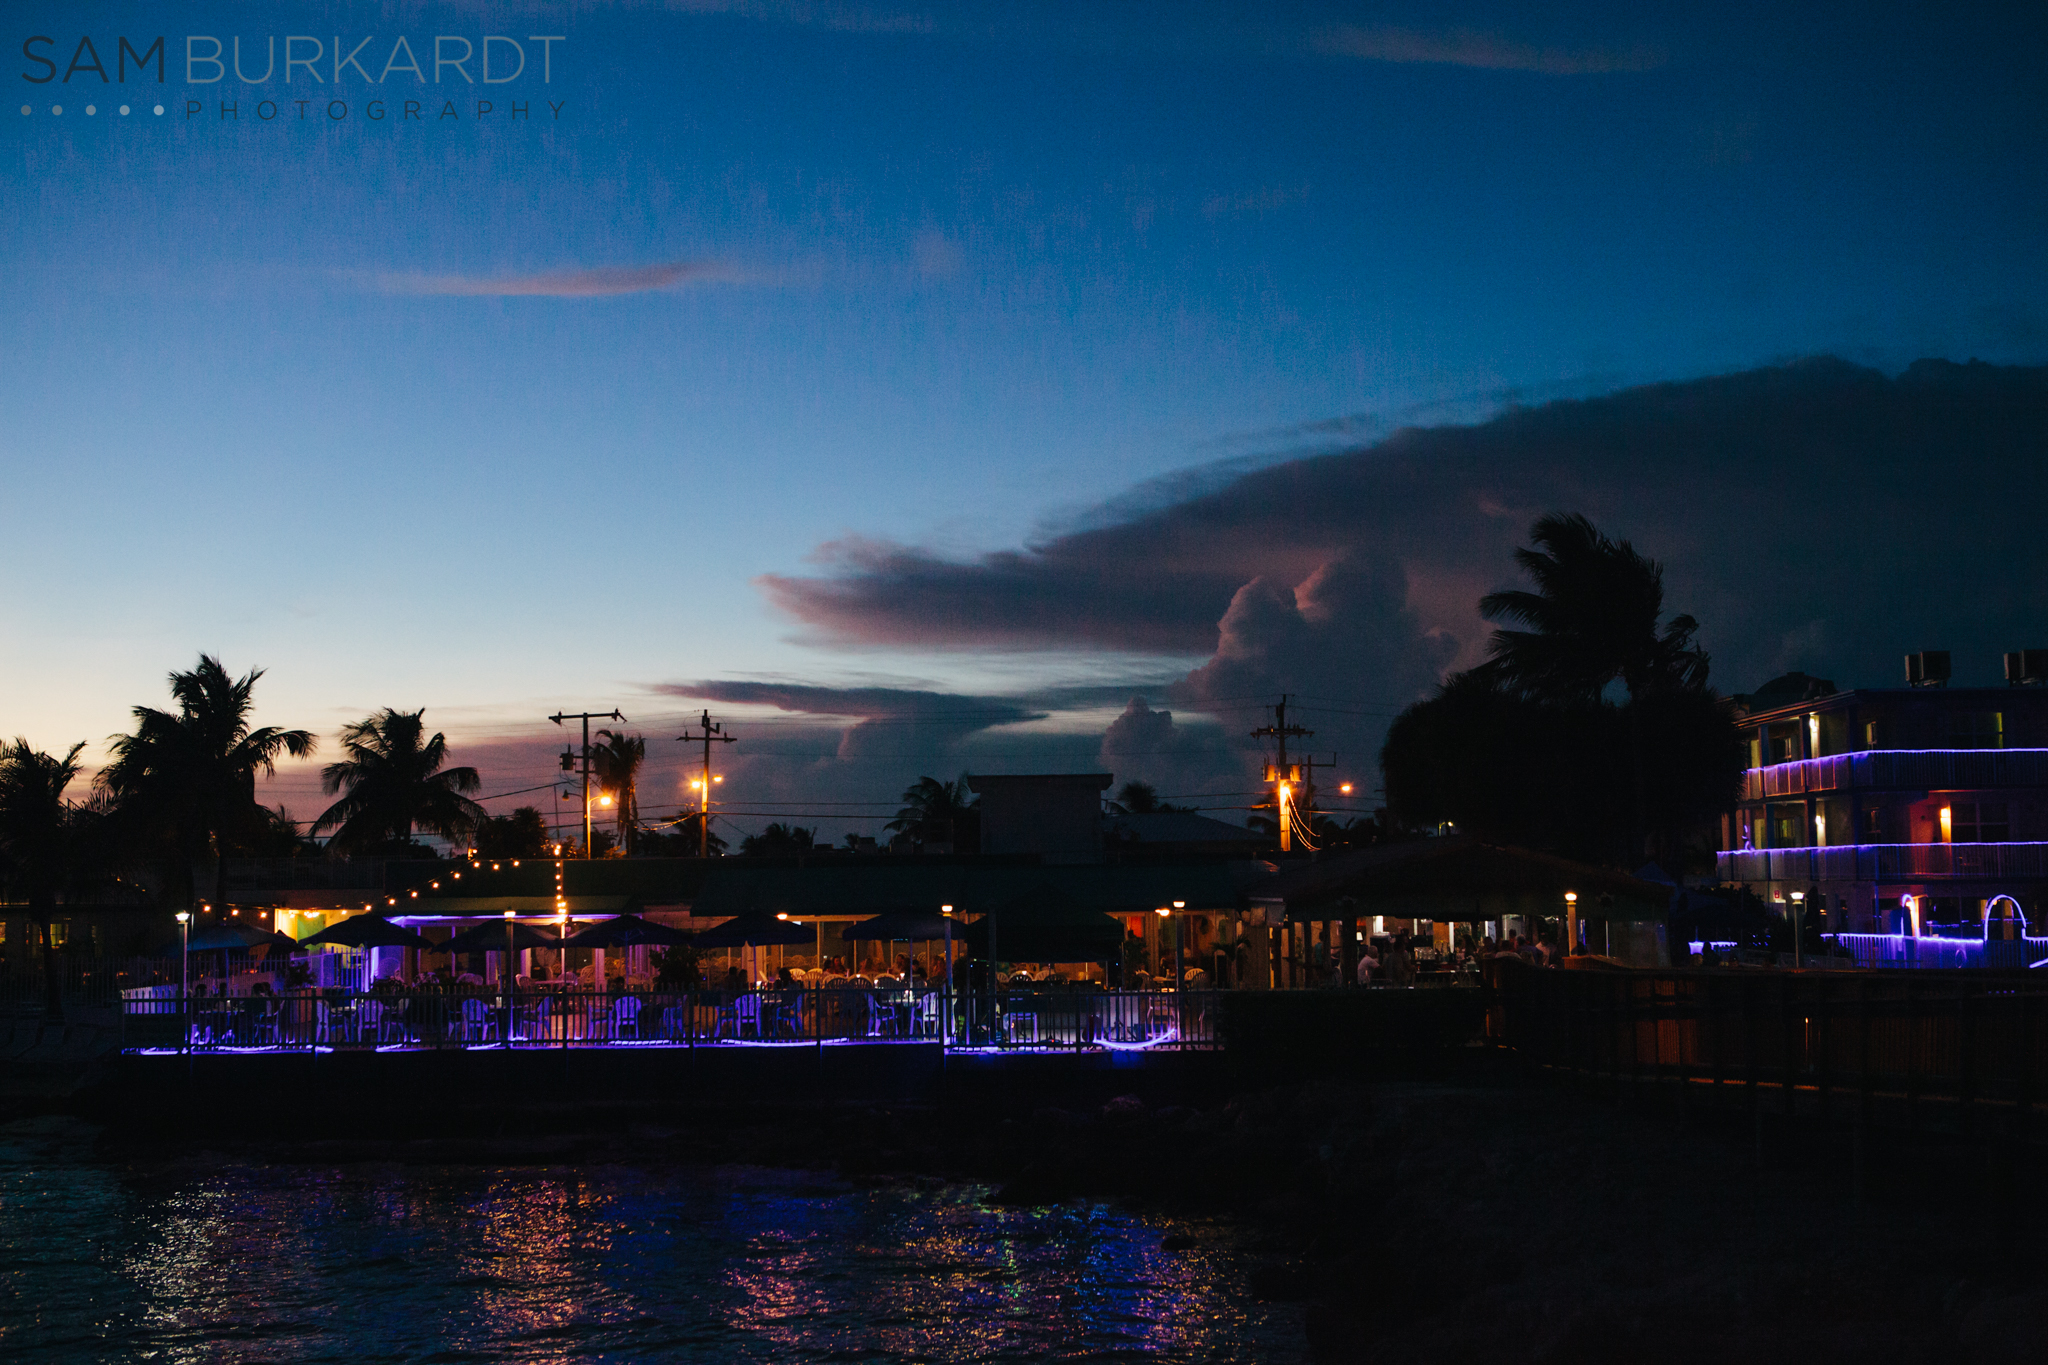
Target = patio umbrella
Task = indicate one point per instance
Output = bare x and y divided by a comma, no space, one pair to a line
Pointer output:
489,937
237,938
898,926
369,931
1046,925
756,929
627,931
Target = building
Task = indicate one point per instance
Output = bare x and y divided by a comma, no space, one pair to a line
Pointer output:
1917,811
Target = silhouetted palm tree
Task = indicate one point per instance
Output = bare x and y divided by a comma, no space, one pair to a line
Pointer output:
780,838
939,812
617,762
394,784
37,840
187,780
1595,618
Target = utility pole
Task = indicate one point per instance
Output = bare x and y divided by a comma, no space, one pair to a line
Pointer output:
586,717
1280,774
711,734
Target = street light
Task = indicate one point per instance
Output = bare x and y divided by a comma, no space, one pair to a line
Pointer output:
1798,913
185,972
1571,921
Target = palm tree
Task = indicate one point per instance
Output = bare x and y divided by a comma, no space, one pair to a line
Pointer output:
36,839
780,838
1596,618
188,778
939,812
1593,619
395,783
617,762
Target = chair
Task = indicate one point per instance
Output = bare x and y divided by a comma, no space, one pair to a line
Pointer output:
476,1021
881,1019
369,1021
927,1024
623,1020
1020,1028
675,1022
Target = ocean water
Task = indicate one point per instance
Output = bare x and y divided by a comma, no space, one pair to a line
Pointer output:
216,1261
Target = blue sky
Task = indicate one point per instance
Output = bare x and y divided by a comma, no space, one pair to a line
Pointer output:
358,402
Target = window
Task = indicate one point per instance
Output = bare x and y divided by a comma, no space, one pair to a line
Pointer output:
1975,729
1870,734
59,930
1788,827
1782,742
1981,822
1873,823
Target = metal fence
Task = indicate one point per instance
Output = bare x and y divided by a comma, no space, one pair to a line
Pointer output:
1926,1049
1885,863
1073,1019
1901,769
91,981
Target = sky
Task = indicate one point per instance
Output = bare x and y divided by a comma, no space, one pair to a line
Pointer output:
932,388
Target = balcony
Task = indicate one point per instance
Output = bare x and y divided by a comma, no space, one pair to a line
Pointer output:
1900,769
1886,863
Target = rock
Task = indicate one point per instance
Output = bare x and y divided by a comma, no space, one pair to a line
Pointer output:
1124,1108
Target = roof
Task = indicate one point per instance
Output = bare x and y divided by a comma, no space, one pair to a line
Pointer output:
1459,878
1178,827
491,907
871,888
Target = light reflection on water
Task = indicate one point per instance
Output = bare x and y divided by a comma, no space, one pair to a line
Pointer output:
212,1261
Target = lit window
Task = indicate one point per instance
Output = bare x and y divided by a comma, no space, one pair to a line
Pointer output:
59,931
1975,729
1982,822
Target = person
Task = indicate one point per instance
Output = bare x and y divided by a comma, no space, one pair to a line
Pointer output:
1367,964
735,979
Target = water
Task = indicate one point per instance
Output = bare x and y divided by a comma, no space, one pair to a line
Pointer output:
220,1261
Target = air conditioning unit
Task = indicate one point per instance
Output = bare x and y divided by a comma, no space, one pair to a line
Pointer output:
2026,667
1928,668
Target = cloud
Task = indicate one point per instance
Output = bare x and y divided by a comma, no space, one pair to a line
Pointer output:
1898,510
882,716
1486,51
596,282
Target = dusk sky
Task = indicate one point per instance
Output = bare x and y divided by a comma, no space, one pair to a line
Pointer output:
915,385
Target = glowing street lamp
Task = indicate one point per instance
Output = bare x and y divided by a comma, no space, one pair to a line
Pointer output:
185,971
1571,921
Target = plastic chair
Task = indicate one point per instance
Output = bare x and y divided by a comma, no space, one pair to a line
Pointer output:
927,1025
625,1018
476,1021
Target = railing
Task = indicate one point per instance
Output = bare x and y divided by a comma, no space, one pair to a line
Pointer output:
1925,1048
92,981
1885,863
1007,1019
1902,769
1932,951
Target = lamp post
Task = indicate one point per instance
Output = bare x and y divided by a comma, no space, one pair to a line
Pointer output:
185,973
946,1000
510,978
1798,914
1571,922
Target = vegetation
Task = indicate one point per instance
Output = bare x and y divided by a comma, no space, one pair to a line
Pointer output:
779,838
1141,798
38,839
617,762
936,812
185,781
522,834
395,783
1533,747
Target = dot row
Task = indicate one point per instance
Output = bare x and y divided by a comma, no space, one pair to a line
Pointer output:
90,109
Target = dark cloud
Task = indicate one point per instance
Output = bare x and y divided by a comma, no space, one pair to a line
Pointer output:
1816,515
882,716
